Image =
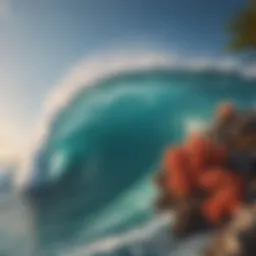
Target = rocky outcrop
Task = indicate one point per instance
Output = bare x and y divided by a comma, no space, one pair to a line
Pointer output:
238,238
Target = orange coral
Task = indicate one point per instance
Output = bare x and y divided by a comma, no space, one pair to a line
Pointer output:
199,165
199,150
221,204
176,164
225,190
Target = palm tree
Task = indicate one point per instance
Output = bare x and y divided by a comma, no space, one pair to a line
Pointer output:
243,30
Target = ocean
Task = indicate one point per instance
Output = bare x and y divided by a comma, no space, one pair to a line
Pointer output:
90,188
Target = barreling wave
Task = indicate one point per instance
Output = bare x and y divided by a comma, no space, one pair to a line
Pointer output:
103,131
92,72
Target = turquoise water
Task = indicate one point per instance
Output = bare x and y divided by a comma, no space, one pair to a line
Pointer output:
91,187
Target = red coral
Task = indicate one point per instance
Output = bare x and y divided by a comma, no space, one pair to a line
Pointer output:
225,191
177,167
199,165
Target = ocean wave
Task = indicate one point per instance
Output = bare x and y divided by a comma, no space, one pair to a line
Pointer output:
102,134
112,243
152,238
90,72
123,210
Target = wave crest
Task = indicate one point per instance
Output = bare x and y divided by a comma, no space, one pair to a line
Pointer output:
91,71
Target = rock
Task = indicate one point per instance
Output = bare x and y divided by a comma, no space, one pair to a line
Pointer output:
238,238
165,201
250,193
237,132
243,163
189,218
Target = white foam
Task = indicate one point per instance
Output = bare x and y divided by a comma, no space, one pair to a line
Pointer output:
113,243
249,72
90,71
195,125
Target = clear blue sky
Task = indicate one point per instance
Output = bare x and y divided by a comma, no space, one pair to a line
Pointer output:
41,39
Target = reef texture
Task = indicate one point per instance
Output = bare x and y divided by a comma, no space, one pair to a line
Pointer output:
210,176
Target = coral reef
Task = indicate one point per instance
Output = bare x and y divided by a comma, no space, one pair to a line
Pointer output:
210,176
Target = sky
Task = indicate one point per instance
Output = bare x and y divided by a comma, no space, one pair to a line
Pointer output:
42,40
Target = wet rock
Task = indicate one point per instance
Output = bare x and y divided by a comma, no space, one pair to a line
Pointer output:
165,199
237,132
242,163
250,193
238,238
189,218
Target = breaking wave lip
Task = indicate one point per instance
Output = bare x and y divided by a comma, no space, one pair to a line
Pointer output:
90,72
112,243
